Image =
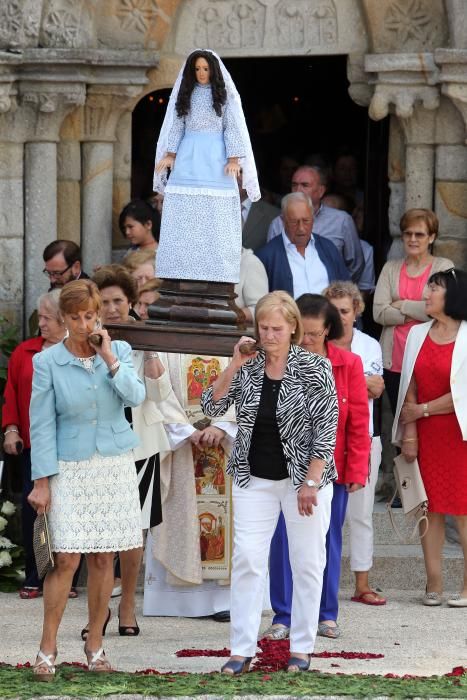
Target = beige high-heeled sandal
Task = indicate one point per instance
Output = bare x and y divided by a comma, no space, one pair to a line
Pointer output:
97,663
44,670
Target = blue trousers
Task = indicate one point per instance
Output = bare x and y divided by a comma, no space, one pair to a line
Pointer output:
280,573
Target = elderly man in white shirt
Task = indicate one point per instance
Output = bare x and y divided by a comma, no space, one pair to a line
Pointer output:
299,261
333,224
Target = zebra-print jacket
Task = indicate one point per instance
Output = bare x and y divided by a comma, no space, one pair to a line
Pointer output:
307,412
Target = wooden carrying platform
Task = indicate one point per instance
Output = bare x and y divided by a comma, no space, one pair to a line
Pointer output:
151,335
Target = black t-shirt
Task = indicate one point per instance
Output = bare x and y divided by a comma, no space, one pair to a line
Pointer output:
266,456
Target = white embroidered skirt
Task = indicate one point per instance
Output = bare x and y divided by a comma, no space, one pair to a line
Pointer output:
95,505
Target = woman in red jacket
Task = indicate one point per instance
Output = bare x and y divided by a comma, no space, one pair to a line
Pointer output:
321,323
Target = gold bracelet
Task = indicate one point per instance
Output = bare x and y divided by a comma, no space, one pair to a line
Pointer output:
410,440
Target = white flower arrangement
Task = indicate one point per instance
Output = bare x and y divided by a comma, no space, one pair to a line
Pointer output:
8,508
11,574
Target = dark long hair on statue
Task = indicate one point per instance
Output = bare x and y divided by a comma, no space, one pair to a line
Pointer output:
219,93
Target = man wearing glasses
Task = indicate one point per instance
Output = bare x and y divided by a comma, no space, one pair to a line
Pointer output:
298,260
62,263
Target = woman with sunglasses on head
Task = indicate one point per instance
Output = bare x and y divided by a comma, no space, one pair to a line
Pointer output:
431,419
398,302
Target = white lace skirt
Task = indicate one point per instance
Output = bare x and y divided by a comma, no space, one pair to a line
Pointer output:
95,505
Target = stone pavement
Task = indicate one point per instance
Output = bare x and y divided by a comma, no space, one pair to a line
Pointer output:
414,639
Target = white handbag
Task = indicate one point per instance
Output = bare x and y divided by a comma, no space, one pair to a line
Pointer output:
409,485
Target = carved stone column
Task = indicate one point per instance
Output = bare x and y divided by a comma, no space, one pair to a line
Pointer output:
11,203
104,106
122,176
45,105
420,139
407,85
451,162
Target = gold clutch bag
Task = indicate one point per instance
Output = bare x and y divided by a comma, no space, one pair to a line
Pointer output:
41,543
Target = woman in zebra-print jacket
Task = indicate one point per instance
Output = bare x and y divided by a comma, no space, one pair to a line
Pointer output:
286,407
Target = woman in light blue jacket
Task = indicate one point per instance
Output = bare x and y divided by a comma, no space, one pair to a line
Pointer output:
82,465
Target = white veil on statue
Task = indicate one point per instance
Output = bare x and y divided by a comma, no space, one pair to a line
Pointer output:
247,162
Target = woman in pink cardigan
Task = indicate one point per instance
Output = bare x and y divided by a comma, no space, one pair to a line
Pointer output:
398,303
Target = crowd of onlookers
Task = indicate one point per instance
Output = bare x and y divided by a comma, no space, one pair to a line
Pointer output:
305,436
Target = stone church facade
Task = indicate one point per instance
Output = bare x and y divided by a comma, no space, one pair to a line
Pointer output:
72,71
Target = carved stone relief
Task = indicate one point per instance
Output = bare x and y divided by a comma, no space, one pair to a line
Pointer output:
226,25
66,24
19,23
135,14
306,24
45,107
271,27
135,24
408,19
406,25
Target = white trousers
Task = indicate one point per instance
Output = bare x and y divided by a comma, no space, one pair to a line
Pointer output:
360,515
256,511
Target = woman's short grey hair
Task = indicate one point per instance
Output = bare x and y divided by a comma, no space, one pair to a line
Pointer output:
50,299
295,197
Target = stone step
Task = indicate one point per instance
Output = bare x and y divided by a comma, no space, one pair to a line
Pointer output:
383,532
402,567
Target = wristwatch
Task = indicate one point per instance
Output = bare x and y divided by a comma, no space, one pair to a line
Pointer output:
311,483
425,411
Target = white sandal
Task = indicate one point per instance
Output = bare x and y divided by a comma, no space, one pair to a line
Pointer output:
97,662
48,662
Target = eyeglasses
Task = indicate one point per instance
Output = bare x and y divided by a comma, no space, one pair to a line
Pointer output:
55,275
315,334
419,235
295,223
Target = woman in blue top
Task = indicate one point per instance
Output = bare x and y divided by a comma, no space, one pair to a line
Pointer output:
205,143
82,465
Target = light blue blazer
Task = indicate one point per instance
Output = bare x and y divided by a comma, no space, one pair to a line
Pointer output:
74,413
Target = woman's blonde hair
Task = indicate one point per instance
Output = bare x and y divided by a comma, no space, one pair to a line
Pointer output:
283,302
139,257
150,286
338,290
79,295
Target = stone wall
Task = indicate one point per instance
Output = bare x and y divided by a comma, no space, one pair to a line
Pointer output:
71,72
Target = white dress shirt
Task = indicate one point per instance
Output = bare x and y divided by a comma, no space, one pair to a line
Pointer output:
309,273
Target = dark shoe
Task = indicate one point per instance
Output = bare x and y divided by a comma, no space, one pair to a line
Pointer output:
85,630
236,668
221,616
397,503
127,630
299,663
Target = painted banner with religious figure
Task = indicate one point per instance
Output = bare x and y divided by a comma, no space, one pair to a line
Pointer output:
213,485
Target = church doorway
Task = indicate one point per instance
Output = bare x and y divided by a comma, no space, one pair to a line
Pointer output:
298,110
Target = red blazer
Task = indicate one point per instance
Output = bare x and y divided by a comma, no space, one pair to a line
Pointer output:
352,452
18,387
